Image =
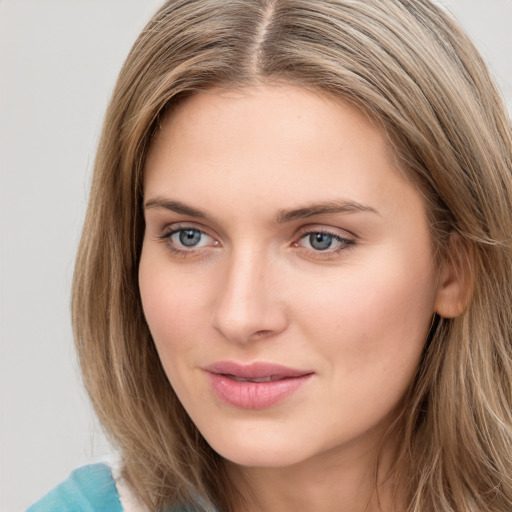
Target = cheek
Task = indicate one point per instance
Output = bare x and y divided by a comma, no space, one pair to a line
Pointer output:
173,304
372,320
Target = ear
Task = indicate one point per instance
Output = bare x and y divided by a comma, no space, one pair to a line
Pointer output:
455,286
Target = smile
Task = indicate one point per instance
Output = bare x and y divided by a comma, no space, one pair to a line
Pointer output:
270,378
255,386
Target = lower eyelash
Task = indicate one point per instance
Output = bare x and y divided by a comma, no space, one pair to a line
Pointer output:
166,239
346,243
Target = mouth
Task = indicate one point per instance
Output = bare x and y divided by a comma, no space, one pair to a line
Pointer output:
255,386
259,371
270,378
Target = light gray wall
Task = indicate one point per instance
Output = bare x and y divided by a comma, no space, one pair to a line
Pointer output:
58,63
489,23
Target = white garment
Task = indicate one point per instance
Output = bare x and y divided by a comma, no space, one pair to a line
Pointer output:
129,501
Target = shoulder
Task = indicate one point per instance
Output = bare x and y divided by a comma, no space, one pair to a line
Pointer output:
88,489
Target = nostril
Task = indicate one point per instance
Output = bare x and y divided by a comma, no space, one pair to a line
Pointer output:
261,334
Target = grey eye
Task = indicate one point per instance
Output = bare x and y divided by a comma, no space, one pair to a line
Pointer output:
320,241
188,240
189,237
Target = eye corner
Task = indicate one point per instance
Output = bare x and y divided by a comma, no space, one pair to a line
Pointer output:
323,242
186,240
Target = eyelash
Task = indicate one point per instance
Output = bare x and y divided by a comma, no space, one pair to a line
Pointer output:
167,239
344,243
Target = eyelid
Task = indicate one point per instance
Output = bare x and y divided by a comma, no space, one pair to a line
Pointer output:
172,229
169,229
328,230
345,238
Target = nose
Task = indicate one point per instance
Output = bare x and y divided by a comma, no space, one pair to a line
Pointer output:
249,302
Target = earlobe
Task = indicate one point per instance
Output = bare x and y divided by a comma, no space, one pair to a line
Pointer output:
455,286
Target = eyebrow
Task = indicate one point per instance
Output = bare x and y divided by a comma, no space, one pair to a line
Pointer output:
283,216
325,208
175,206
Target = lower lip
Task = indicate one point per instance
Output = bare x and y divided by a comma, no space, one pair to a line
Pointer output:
255,395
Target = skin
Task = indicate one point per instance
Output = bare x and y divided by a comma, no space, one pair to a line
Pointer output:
254,289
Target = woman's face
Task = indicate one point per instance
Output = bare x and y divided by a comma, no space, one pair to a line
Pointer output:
286,275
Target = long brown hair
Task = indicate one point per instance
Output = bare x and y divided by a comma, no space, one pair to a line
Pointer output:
408,65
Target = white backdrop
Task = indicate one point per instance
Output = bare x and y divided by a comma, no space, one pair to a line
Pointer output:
58,63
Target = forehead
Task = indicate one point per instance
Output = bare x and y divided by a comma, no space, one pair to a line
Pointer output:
280,144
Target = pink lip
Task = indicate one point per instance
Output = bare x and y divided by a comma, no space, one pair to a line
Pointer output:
247,394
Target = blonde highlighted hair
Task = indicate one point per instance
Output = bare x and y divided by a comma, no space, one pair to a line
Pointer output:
409,66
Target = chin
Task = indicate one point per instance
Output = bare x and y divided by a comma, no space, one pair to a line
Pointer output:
263,450
256,457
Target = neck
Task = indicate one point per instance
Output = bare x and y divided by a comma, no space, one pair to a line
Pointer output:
340,480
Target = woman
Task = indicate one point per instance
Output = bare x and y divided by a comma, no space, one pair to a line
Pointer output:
293,287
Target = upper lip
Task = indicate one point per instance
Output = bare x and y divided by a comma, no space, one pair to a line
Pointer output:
257,370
